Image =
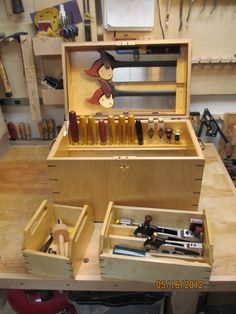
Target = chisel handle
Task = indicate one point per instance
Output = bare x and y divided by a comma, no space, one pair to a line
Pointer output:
73,127
83,130
102,131
17,6
131,129
4,79
112,129
92,130
121,128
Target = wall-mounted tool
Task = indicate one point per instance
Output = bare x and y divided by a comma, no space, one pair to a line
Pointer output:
189,11
83,130
17,6
103,67
150,131
12,131
3,74
160,129
131,129
203,6
212,129
181,4
168,13
214,6
121,129
107,92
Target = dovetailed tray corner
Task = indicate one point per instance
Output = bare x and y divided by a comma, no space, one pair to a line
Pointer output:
80,227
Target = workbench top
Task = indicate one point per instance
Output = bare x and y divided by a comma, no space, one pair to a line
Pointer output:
24,184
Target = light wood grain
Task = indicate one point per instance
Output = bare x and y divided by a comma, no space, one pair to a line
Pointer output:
218,195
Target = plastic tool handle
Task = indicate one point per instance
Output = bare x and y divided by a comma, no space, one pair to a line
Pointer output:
17,6
4,79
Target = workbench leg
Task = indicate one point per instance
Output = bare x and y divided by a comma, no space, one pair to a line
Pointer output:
184,302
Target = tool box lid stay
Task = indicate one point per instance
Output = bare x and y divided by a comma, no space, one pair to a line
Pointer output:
143,78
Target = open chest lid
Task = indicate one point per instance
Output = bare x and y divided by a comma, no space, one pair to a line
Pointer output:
137,77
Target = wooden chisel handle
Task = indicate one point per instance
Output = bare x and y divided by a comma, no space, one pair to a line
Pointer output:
102,131
112,129
73,127
92,130
4,79
139,131
83,130
121,128
131,129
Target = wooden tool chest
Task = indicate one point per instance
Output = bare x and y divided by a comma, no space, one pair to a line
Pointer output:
38,231
115,89
167,271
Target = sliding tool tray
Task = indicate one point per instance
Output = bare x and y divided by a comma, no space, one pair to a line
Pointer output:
127,136
122,256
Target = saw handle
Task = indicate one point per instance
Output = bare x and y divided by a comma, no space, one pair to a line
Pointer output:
17,6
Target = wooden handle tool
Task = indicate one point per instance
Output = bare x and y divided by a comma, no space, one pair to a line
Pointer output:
51,129
92,131
150,131
12,131
40,128
139,131
169,132
60,235
73,128
22,130
83,130
160,129
45,129
112,129
27,132
5,81
102,131
131,129
17,131
121,129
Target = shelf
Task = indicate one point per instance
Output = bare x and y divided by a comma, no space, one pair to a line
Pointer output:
47,46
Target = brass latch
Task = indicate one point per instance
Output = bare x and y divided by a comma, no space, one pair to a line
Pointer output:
124,167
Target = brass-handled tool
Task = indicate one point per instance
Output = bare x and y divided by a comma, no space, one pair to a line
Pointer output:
131,129
83,130
139,131
92,131
121,129
177,136
73,127
160,129
102,131
112,129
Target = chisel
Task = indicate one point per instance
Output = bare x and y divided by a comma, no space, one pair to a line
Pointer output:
92,131
150,131
112,129
121,129
102,131
139,131
83,130
73,128
131,129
